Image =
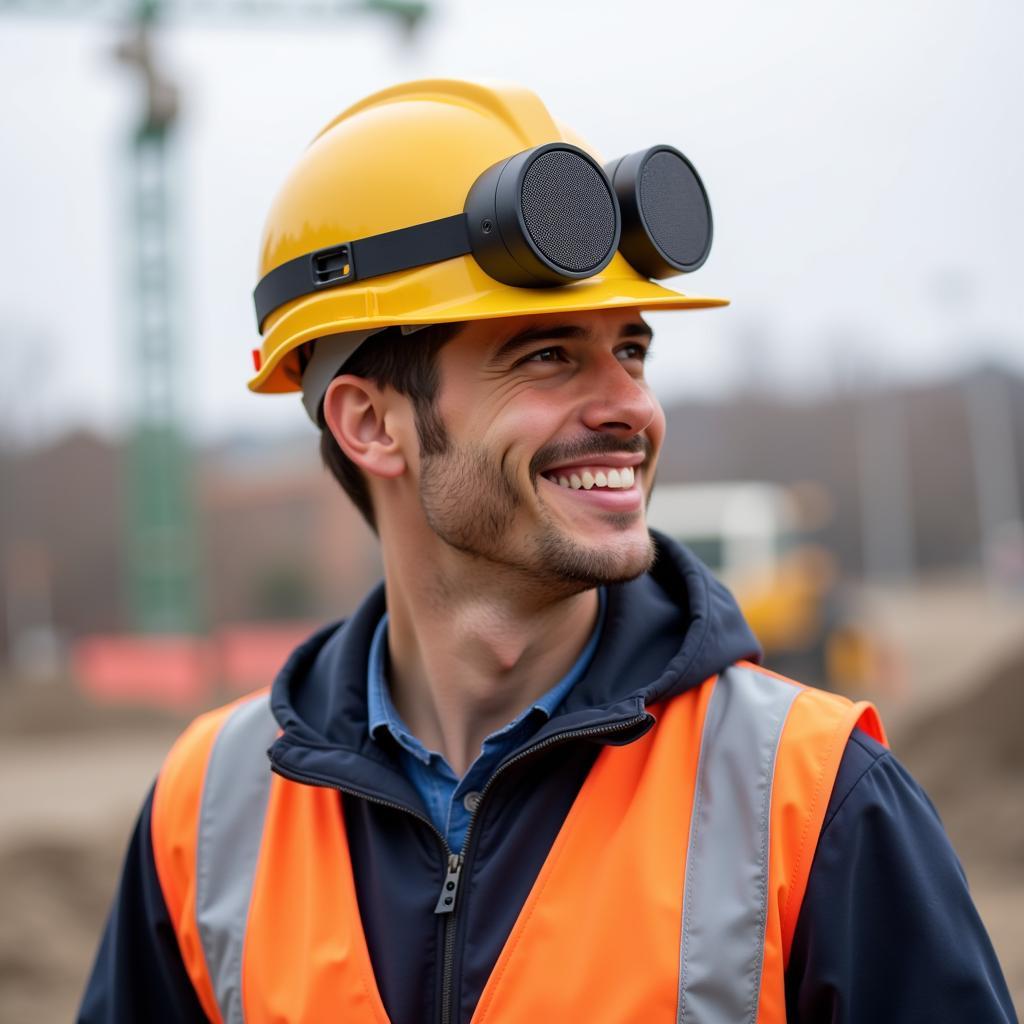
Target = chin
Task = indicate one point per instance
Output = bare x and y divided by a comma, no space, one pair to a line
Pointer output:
623,557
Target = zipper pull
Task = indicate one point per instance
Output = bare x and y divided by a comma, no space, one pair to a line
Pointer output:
450,888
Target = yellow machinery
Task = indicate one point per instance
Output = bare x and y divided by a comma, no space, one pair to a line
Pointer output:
755,537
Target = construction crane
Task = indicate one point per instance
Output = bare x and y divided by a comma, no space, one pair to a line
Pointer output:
161,543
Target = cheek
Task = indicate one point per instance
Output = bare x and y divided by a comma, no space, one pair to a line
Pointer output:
529,426
519,420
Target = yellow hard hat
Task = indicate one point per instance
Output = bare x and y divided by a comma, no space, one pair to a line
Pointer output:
409,156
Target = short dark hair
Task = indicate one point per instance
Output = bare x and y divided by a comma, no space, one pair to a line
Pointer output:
408,364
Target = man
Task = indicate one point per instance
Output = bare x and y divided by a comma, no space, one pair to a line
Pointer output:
538,775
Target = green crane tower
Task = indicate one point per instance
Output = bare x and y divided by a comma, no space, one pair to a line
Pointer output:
161,548
161,544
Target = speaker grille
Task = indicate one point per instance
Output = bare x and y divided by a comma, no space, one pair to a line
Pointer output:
675,208
568,210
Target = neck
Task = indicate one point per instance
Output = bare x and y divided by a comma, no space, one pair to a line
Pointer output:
469,650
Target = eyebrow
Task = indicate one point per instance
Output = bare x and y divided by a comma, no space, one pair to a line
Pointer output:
563,332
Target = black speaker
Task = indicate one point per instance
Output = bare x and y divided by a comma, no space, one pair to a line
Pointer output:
543,217
666,216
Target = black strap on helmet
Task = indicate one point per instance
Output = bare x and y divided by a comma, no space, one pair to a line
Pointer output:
373,256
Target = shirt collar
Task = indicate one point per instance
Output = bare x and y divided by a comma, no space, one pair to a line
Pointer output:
382,713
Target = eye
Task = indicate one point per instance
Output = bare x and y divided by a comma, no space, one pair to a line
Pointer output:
553,354
633,350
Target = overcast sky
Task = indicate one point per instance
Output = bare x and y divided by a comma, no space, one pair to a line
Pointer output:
864,163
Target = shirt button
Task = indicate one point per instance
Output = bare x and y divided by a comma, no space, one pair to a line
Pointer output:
471,801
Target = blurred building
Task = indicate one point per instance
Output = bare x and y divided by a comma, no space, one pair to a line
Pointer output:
861,446
280,538
279,541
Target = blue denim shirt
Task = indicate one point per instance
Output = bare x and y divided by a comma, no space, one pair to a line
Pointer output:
450,801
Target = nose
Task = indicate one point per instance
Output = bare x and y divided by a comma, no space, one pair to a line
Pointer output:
617,401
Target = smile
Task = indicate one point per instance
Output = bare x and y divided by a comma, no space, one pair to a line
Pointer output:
593,477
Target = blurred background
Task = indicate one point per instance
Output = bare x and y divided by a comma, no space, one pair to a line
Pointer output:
846,441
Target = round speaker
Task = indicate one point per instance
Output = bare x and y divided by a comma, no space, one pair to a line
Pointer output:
543,217
666,216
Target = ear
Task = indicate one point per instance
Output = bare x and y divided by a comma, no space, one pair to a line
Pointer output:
363,417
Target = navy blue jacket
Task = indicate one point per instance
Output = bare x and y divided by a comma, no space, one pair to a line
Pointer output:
887,932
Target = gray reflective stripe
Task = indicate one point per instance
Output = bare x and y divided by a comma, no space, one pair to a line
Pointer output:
234,804
725,900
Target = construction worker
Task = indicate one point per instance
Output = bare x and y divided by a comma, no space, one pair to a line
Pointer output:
538,775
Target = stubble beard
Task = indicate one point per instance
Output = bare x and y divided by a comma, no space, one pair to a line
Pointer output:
471,502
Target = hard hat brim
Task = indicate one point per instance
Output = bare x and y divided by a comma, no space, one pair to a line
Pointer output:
456,290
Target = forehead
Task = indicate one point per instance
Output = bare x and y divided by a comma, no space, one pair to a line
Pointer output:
484,339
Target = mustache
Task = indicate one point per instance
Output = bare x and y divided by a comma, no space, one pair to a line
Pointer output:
585,448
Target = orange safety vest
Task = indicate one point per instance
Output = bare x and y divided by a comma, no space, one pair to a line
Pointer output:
670,894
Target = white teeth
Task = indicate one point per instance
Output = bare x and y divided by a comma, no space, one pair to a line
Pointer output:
614,479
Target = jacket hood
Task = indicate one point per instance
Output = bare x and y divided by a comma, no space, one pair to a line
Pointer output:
665,632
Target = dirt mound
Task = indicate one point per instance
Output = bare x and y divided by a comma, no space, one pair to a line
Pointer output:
54,896
970,758
72,776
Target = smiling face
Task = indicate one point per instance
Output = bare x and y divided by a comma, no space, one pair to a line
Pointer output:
552,436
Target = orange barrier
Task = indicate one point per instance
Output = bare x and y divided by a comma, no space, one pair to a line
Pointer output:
181,671
166,671
249,655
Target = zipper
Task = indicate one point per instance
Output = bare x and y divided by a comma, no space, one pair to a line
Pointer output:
450,886
447,901
446,905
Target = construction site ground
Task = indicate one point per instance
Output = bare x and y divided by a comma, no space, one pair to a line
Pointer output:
73,775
